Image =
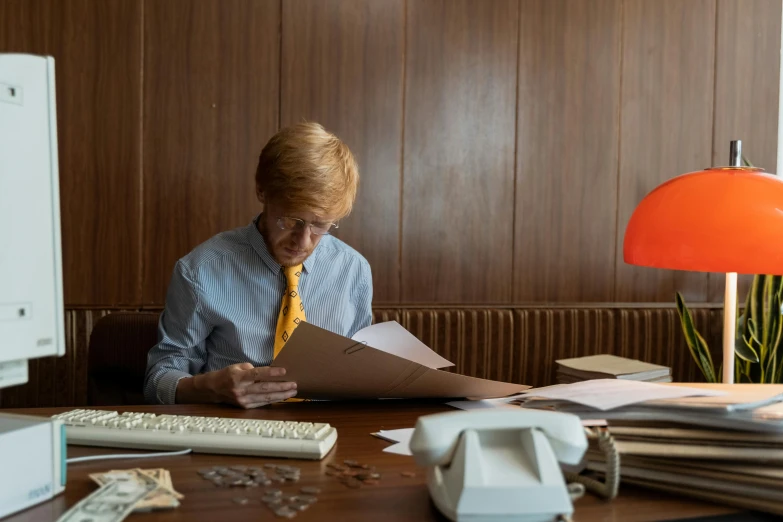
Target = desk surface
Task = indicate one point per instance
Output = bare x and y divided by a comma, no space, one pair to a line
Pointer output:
395,497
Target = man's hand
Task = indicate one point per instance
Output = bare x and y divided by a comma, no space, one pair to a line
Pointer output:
240,384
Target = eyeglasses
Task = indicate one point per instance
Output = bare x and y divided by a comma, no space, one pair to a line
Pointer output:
292,223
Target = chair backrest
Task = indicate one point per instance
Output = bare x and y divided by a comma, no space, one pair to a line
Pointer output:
119,343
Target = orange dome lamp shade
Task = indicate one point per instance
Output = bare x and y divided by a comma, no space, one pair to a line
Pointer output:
722,219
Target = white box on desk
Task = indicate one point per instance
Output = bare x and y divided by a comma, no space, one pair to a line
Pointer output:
32,461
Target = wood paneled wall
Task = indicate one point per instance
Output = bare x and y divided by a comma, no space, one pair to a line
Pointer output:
503,144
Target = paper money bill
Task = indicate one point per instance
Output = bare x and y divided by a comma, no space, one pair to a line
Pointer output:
113,501
164,477
160,498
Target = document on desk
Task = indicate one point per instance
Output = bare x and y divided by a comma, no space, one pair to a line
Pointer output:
607,394
326,365
401,438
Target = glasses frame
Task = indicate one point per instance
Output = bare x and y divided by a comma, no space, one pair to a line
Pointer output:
301,224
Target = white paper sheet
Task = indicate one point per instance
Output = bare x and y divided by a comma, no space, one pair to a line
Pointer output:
483,404
606,394
402,437
391,337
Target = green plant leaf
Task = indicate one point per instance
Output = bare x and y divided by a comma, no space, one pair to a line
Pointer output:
773,336
705,351
753,330
756,306
696,344
744,379
745,351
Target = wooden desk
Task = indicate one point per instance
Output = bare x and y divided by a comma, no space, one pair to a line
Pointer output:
395,498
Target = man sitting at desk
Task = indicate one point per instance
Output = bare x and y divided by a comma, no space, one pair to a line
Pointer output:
234,300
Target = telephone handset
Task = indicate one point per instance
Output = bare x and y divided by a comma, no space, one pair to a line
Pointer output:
499,464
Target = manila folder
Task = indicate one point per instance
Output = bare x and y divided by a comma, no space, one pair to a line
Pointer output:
326,365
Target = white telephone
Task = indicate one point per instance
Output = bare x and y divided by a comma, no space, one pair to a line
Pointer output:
499,465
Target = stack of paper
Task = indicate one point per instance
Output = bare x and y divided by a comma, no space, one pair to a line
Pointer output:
610,367
716,442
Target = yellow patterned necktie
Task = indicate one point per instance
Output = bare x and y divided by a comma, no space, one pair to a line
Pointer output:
291,308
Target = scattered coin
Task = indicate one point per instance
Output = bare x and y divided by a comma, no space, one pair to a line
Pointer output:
353,483
350,463
310,490
310,499
241,500
271,500
299,506
408,474
285,512
269,465
274,492
239,468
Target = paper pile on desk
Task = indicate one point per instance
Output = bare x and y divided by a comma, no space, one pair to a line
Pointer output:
381,361
726,446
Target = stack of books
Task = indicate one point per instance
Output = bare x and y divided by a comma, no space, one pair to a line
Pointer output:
610,367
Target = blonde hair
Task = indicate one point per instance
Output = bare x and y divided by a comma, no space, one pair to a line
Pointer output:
307,168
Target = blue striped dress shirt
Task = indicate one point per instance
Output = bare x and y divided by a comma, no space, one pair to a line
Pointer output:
224,298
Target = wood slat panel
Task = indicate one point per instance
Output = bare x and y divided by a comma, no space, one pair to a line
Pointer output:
211,72
567,146
665,123
747,88
96,45
342,66
458,182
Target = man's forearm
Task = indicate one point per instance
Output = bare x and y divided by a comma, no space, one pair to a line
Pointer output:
195,389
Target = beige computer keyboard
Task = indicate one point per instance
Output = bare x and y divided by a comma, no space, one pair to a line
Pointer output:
268,438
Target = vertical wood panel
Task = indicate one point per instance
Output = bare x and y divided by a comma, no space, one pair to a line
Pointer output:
342,66
458,182
567,145
747,87
665,123
211,73
96,45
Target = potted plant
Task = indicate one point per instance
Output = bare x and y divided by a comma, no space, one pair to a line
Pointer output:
757,339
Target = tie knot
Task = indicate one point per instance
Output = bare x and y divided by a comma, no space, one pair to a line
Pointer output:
292,274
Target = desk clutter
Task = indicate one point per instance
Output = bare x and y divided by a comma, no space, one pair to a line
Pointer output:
725,448
275,486
606,366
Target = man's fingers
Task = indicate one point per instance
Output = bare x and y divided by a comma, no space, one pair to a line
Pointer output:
265,373
255,401
269,387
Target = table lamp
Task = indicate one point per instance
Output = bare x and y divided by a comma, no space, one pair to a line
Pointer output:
721,219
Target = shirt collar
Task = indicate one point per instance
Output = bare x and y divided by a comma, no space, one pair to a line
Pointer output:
259,245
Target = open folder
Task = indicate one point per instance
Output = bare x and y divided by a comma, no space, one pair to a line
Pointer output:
326,365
